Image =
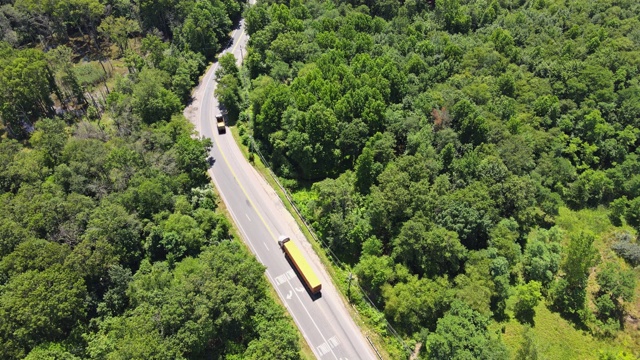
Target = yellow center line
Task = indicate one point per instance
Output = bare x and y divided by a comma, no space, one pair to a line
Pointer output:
244,191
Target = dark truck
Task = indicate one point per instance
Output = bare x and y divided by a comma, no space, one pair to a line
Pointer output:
220,122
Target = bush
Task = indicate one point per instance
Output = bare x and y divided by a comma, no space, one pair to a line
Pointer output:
89,73
626,249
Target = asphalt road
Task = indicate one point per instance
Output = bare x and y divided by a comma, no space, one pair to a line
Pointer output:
261,217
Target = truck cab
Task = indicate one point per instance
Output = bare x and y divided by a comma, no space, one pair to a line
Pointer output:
282,240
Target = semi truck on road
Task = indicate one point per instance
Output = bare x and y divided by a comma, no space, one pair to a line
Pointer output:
304,269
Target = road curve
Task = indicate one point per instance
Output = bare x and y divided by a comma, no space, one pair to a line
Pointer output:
261,217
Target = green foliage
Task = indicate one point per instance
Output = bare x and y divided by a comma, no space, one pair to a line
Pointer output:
112,224
196,320
528,295
617,209
86,207
433,252
38,306
25,80
33,254
49,138
569,293
191,157
542,256
227,66
228,93
499,269
118,29
151,100
504,238
417,303
339,219
528,349
204,25
373,272
50,351
632,214
462,334
11,234
476,286
431,132
277,339
617,286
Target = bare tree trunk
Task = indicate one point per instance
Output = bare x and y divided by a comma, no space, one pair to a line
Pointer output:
106,73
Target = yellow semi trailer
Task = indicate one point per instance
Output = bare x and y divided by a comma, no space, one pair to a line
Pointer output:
301,264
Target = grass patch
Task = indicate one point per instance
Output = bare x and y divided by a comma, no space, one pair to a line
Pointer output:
90,73
556,338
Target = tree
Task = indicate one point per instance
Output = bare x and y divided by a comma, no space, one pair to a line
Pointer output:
47,351
11,234
39,306
118,29
115,298
157,14
388,201
26,83
451,13
528,348
632,214
617,209
373,272
277,338
416,304
472,223
616,287
8,150
569,293
204,27
154,48
32,254
181,236
500,275
151,100
192,157
463,334
133,336
504,238
366,170
228,93
66,78
311,142
50,137
541,258
147,196
428,252
227,66
112,224
206,304
476,286
528,295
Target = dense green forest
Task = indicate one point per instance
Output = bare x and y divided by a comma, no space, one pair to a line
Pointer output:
475,162
112,244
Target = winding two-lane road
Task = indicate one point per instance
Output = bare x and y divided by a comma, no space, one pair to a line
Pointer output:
261,217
